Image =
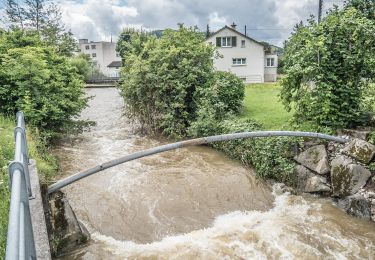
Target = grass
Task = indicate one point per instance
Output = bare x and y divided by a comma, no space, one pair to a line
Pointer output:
46,164
262,104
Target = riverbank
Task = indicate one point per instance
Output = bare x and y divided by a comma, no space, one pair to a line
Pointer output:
46,163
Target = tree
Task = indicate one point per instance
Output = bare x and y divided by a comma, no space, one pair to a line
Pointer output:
45,18
131,41
35,13
332,90
14,13
41,82
367,7
165,82
84,65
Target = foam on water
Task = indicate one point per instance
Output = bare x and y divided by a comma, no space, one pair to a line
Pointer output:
288,230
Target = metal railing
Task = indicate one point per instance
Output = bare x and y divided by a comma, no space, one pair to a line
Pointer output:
20,239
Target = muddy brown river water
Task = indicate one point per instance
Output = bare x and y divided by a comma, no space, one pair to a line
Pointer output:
192,203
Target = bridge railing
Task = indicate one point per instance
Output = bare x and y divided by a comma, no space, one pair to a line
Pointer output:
20,239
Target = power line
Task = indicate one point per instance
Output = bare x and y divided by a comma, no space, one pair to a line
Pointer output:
268,29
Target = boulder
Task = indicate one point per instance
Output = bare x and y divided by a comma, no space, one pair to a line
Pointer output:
360,134
66,232
315,158
360,150
310,182
357,205
346,177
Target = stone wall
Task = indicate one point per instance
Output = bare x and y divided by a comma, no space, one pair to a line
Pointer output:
344,172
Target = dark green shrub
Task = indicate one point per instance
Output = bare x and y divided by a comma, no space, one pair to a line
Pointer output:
44,85
226,94
163,85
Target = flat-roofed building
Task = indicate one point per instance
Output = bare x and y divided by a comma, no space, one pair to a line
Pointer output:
104,56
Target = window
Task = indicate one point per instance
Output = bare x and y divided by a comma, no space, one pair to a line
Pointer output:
243,42
226,41
93,47
94,55
270,62
239,61
87,47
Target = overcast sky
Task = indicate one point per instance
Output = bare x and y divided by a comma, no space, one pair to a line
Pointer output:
266,20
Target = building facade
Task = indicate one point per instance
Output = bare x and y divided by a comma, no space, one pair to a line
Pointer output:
104,56
243,56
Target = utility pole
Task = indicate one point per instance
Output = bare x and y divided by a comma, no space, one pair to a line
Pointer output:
320,10
208,33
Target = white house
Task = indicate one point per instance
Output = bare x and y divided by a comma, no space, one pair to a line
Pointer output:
243,56
103,55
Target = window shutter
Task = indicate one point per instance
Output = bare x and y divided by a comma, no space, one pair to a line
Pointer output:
218,41
234,41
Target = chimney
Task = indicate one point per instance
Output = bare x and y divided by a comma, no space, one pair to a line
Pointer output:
233,25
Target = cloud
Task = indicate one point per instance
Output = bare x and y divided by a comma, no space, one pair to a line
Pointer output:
266,20
95,19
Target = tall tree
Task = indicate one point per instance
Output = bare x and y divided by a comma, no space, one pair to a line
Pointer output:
35,13
14,13
42,17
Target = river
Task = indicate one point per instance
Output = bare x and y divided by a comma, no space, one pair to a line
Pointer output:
192,203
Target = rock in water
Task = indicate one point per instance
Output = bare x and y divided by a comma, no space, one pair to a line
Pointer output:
309,182
315,158
356,205
346,177
360,150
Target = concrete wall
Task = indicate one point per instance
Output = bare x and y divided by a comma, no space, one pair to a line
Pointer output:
37,216
253,71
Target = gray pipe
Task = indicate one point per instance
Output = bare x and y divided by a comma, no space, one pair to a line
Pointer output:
204,140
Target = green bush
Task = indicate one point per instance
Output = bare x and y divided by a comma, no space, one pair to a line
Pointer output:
84,66
270,157
163,85
6,155
44,85
225,95
329,67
